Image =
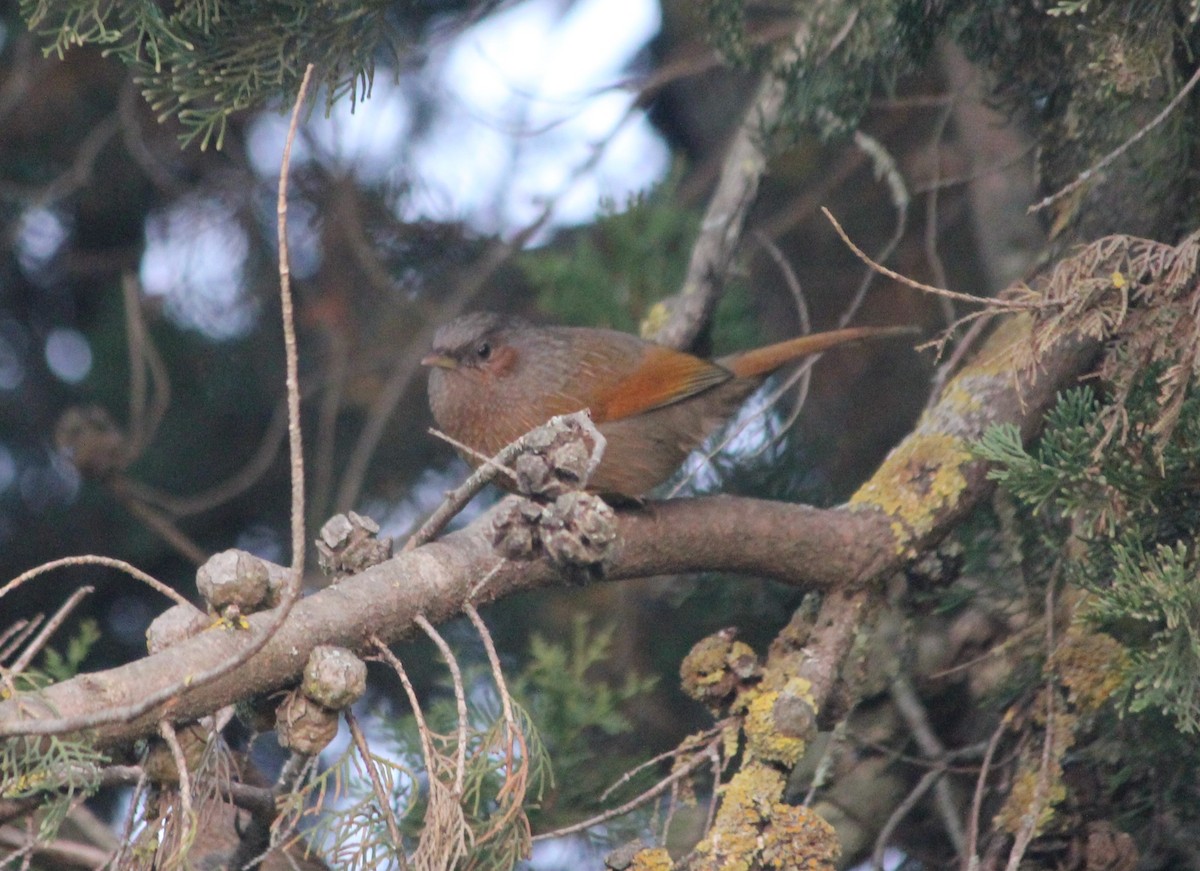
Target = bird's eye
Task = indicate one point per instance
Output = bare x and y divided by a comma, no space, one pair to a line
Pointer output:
483,351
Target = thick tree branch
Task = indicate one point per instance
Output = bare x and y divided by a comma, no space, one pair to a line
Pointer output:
928,482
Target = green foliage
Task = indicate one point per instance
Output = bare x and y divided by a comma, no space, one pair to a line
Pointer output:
1159,589
202,60
572,708
344,820
48,765
847,53
64,666
625,262
564,699
1122,510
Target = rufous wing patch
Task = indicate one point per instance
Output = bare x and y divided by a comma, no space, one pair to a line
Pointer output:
664,376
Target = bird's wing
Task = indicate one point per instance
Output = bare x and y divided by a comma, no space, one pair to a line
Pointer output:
662,377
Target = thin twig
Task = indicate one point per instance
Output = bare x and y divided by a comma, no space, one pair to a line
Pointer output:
135,800
931,212
1085,176
692,744
15,636
458,498
516,759
909,705
381,796
422,728
494,660
49,629
135,335
961,349
742,170
295,444
637,801
803,378
1032,818
902,810
971,859
460,699
167,731
994,303
89,560
489,467
886,169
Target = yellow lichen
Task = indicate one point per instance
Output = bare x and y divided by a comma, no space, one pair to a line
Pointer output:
653,859
755,829
1091,665
715,666
916,482
747,805
957,396
654,320
765,739
798,839
1003,351
1023,799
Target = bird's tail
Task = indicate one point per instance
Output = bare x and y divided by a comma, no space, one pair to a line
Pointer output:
763,361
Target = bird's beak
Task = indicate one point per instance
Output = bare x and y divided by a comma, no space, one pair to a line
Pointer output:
439,360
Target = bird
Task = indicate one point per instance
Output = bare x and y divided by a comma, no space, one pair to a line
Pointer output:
494,377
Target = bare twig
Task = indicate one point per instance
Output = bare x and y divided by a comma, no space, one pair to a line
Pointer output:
931,212
295,445
88,560
458,498
135,334
186,818
902,810
443,837
803,377
460,699
49,629
637,801
148,400
724,219
17,634
423,732
494,661
961,349
381,796
886,169
971,859
139,792
1088,174
999,304
511,795
1031,820
910,707
690,744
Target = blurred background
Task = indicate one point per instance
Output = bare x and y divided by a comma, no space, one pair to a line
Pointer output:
547,157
